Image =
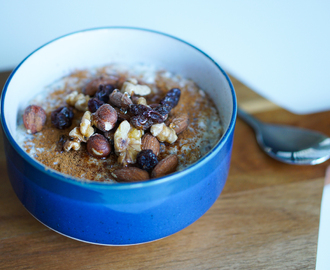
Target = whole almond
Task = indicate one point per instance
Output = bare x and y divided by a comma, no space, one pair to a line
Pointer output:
34,118
130,174
150,142
165,166
115,98
180,123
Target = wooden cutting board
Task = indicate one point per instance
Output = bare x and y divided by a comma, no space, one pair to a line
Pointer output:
266,218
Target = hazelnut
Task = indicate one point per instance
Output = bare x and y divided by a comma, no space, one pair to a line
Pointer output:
105,117
98,146
34,118
119,99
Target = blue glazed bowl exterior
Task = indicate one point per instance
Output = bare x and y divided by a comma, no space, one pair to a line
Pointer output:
123,213
127,214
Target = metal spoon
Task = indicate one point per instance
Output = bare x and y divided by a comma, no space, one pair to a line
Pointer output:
289,144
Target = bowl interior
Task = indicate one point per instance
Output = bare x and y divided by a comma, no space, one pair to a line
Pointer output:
98,47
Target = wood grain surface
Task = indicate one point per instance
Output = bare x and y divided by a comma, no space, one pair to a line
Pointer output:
266,218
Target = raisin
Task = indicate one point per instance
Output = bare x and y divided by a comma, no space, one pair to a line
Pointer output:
171,98
94,104
103,92
163,109
156,117
144,117
139,109
62,117
141,122
146,160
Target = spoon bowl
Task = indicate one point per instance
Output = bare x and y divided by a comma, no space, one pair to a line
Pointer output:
289,144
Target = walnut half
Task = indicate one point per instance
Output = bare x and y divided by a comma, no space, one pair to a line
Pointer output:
127,143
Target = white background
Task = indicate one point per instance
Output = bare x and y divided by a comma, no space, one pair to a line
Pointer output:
281,49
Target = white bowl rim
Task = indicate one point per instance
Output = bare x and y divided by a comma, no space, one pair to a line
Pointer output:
107,185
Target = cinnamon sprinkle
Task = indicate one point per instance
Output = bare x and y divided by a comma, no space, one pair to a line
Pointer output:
191,145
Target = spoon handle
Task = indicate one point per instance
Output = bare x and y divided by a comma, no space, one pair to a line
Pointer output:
253,122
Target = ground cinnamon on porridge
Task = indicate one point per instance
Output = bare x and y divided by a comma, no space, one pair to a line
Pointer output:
202,133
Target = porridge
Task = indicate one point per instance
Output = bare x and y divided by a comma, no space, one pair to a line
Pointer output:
118,123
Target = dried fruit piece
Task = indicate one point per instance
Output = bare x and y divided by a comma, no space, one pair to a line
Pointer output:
98,146
146,159
150,142
103,92
130,174
163,133
105,117
144,116
170,100
62,117
92,87
180,123
94,104
34,118
127,143
165,166
122,115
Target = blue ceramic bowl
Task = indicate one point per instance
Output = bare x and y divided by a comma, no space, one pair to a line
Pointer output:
124,213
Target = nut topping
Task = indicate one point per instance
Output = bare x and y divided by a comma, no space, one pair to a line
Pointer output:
163,133
180,123
141,100
120,100
127,143
34,119
130,174
68,145
79,101
86,128
165,166
98,146
123,119
135,89
150,142
105,117
80,134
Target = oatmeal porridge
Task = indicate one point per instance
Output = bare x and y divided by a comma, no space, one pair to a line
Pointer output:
118,123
